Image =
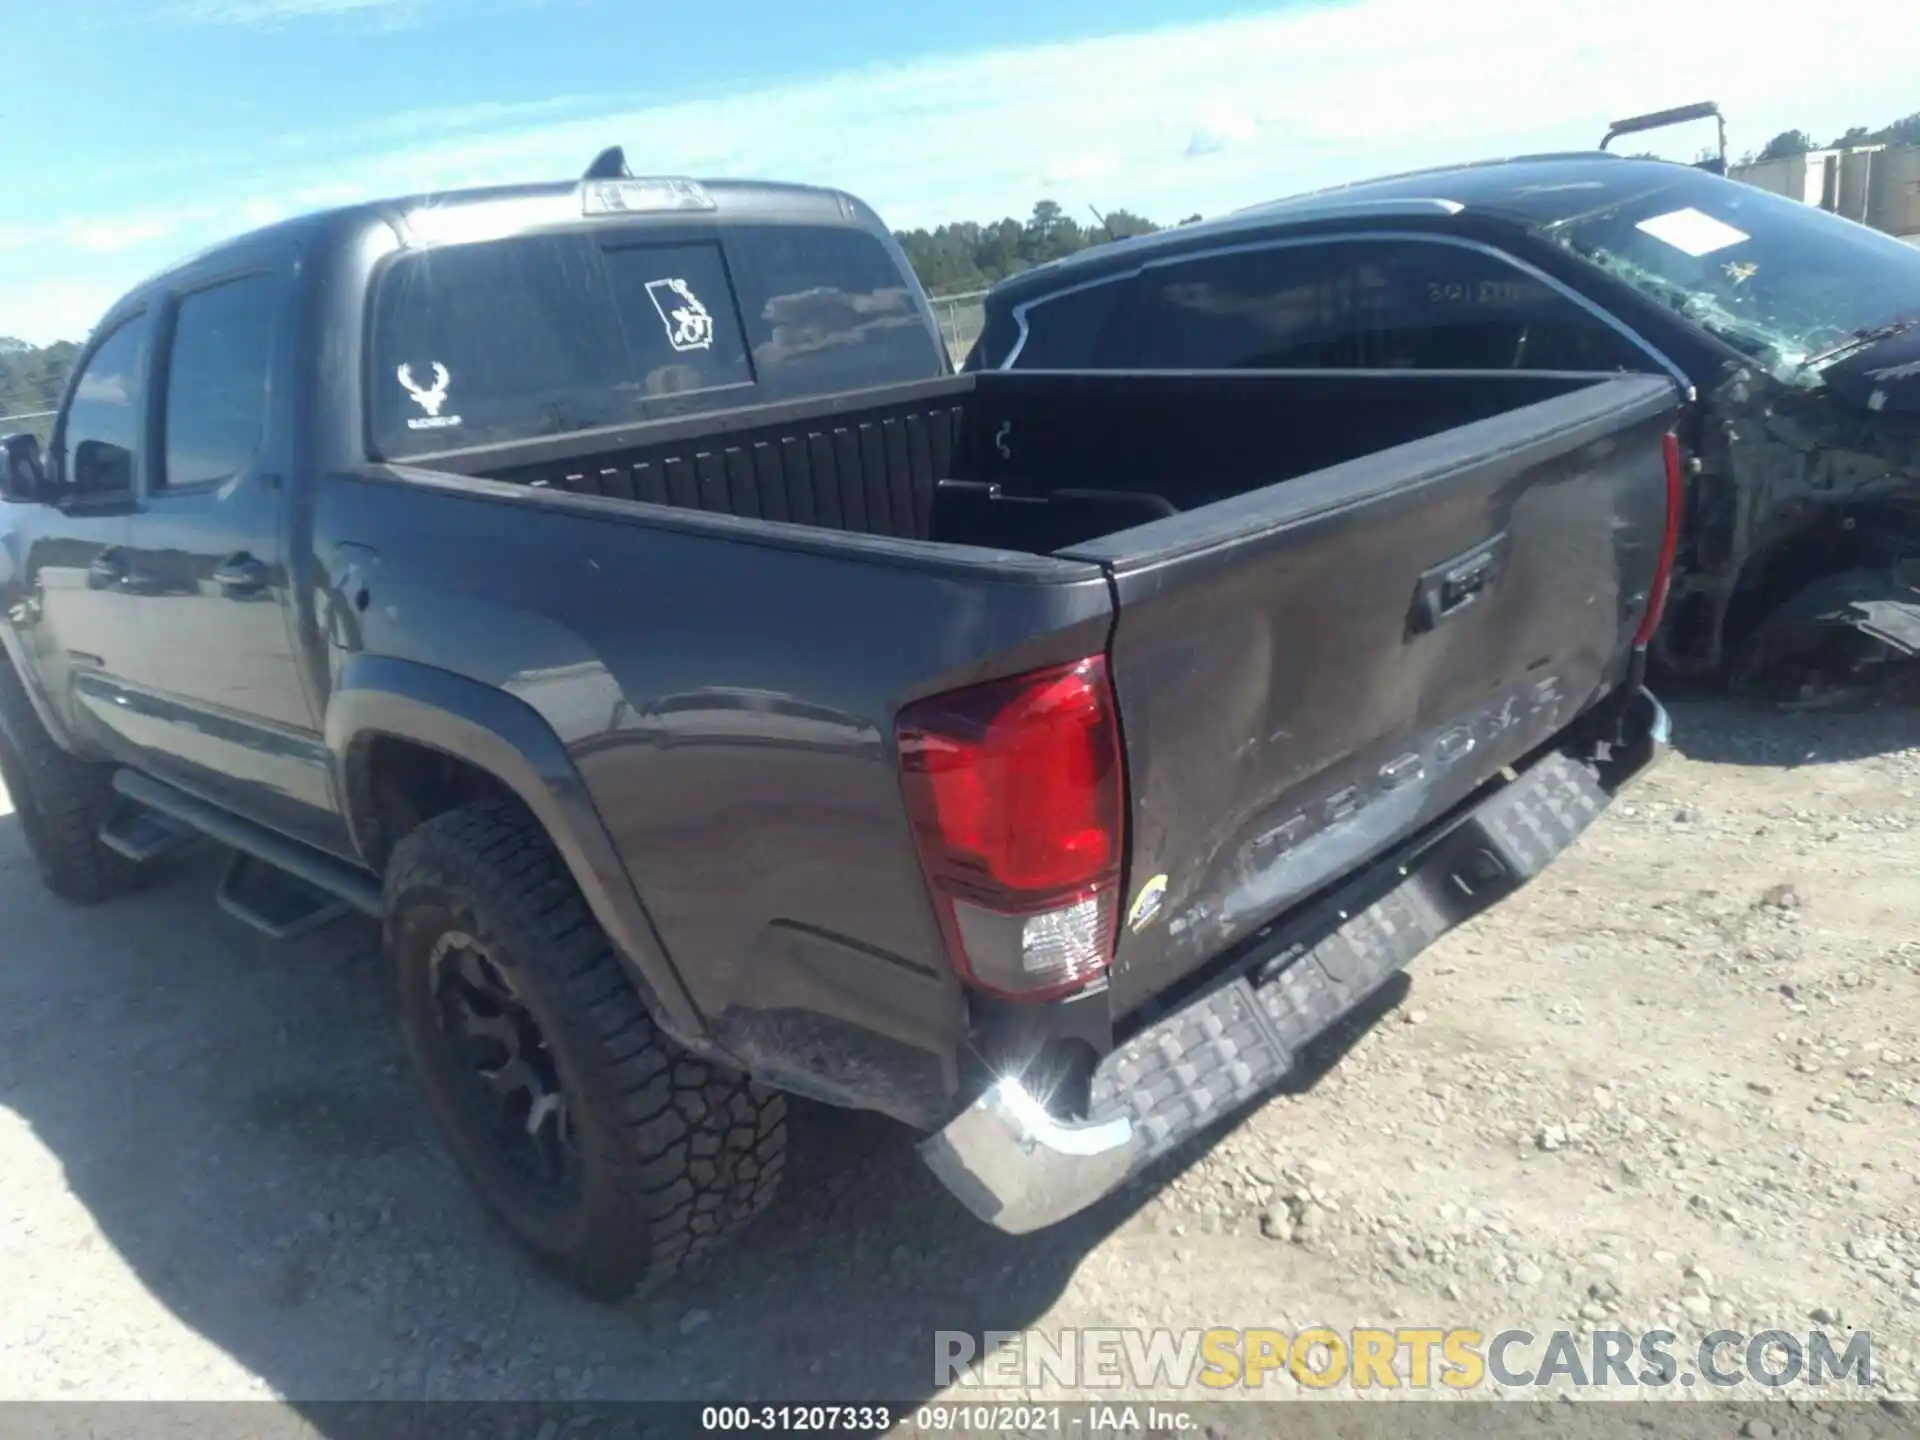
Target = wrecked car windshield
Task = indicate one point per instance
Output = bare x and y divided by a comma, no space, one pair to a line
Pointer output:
1780,281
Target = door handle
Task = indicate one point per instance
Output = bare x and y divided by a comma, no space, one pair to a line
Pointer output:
241,574
107,570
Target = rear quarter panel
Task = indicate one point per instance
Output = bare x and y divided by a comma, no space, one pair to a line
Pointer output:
727,692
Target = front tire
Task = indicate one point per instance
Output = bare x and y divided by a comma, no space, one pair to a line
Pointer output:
61,801
607,1150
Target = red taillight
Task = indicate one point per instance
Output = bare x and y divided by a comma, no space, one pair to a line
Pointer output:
1663,565
1014,789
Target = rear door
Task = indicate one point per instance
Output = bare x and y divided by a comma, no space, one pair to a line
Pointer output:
218,703
1312,671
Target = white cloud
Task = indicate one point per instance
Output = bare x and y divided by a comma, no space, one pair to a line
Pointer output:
110,237
1070,172
1222,128
59,309
273,14
1203,117
268,12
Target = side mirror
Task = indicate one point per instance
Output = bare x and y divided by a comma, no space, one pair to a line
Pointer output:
23,478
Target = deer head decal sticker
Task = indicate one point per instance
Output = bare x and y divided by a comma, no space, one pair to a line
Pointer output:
428,398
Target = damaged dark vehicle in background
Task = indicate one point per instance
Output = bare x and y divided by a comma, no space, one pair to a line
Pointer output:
1795,332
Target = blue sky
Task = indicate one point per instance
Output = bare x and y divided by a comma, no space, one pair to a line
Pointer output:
134,131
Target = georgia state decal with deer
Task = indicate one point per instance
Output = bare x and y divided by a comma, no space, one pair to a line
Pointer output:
689,324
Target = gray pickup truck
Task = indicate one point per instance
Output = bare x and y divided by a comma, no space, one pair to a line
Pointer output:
609,587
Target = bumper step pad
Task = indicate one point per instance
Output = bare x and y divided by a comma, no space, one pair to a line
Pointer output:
1204,1062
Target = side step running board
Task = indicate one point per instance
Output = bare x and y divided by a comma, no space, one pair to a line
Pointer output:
348,884
144,835
278,905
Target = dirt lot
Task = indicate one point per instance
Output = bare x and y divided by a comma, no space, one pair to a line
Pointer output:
1677,1082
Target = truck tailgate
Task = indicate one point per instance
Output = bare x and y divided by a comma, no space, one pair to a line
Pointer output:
1311,671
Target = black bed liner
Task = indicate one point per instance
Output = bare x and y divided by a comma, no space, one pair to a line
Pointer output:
1028,460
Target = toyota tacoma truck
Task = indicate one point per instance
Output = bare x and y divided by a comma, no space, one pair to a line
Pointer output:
609,587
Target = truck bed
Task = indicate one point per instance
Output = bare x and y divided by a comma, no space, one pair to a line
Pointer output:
1027,461
1296,692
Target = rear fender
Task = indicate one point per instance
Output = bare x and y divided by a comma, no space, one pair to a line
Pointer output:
505,737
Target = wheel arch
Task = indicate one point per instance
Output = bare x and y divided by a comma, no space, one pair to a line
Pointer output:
1832,541
13,656
379,702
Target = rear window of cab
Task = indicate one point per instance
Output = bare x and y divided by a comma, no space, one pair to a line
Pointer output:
538,335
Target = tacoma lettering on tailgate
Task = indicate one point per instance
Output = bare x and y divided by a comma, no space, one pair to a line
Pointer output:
1285,860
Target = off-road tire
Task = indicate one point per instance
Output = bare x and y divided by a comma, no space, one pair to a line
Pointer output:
61,802
674,1153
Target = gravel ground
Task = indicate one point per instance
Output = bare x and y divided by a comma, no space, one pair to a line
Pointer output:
1674,1083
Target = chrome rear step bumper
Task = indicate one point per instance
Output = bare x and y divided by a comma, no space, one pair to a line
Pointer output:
1021,1169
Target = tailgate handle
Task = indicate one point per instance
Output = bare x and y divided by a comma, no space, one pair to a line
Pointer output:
1451,586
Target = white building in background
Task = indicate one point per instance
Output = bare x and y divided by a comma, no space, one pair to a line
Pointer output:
1878,185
